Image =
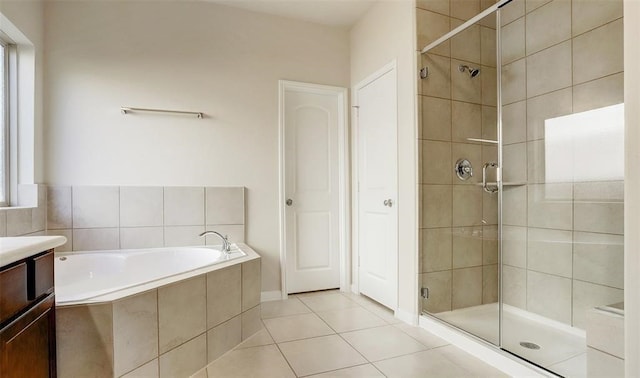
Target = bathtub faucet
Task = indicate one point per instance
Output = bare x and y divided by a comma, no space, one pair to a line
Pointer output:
226,246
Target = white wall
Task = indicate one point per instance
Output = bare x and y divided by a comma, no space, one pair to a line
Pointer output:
196,56
632,188
385,33
28,18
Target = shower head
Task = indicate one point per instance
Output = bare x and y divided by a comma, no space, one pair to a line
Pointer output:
473,72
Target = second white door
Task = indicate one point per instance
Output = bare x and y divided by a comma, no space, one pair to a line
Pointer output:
376,100
312,117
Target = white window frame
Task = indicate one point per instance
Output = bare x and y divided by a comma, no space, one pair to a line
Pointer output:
5,175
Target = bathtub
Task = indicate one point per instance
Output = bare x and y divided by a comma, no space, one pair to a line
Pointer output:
83,277
161,310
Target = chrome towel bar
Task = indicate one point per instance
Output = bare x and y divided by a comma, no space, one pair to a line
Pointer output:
127,109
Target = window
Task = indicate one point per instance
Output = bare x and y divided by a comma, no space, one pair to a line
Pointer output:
4,121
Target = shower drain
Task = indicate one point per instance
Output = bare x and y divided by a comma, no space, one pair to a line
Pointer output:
529,345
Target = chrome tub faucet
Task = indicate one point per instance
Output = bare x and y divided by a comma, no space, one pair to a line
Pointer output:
226,246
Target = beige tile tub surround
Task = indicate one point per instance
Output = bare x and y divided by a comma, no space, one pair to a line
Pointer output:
25,221
164,331
126,217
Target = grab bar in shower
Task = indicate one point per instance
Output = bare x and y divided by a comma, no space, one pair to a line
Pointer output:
127,109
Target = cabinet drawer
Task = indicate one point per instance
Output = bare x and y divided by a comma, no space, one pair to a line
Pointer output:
40,275
13,290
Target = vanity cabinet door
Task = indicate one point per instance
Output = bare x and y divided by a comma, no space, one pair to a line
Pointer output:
27,345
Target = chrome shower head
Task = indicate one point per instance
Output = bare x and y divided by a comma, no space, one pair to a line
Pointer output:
473,72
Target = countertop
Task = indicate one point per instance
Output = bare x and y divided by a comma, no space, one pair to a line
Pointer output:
17,248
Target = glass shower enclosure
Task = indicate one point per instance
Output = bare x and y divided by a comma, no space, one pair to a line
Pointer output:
522,176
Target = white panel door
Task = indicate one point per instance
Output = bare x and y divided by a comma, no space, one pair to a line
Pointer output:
377,193
311,190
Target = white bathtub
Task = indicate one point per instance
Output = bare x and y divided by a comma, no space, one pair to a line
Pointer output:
90,277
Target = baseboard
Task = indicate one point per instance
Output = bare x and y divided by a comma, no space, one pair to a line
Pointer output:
267,296
492,356
406,316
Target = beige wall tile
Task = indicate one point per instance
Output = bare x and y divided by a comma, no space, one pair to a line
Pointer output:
490,283
599,216
135,331
438,6
436,162
550,206
224,295
141,206
251,284
439,284
550,105
186,359
182,312
148,370
599,258
223,338
467,247
84,336
184,206
3,223
431,26
251,323
589,15
436,249
466,121
536,161
514,246
534,4
466,44
490,208
436,206
59,214
141,237
489,123
514,211
467,205
438,83
514,286
488,46
471,152
598,93
91,239
66,247
550,251
587,296
464,9
463,87
467,287
95,206
181,236
549,296
605,331
514,85
549,70
489,89
513,42
548,25
514,122
489,245
436,118
233,232
224,205
512,11
514,167
598,53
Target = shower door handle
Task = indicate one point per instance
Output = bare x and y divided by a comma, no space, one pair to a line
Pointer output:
485,185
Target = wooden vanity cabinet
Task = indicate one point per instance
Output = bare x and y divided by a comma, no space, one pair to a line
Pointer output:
27,318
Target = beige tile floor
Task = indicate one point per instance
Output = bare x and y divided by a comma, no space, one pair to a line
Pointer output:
334,334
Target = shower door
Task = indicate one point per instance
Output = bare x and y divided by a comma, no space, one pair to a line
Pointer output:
533,261
459,191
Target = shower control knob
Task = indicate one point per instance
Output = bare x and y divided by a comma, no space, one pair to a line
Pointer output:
388,202
289,202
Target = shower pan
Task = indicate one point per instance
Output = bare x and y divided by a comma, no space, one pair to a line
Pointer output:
522,177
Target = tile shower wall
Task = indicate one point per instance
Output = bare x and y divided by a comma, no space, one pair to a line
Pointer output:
563,241
122,217
458,228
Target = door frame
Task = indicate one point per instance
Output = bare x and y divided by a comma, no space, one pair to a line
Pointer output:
343,180
355,246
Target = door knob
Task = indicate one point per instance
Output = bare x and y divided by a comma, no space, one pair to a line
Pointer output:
289,202
388,202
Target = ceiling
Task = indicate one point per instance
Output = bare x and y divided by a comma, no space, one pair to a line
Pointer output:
343,13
